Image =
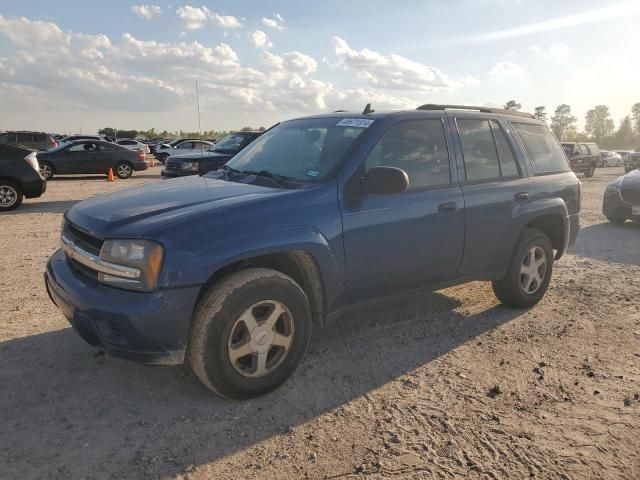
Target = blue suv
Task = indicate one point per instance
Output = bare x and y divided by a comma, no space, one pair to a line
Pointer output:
232,270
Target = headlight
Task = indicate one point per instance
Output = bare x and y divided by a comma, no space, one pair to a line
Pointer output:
190,166
142,256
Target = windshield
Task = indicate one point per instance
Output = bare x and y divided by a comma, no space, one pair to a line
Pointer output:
230,142
303,150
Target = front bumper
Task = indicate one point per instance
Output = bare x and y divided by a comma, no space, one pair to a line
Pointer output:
145,327
614,206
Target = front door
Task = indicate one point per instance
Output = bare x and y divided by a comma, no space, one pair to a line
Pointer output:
77,158
403,241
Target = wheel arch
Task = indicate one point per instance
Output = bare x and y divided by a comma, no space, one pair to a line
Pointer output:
551,217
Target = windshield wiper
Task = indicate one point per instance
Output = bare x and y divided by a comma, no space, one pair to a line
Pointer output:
277,179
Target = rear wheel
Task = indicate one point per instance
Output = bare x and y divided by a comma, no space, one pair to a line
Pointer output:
249,333
613,218
529,272
10,196
589,173
124,170
46,170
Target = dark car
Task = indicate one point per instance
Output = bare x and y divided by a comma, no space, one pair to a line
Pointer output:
583,157
631,161
35,140
212,159
19,176
234,269
622,198
91,156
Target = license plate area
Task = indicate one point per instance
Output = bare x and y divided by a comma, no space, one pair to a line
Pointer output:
635,210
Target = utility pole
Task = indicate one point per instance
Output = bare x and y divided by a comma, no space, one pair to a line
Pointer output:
198,105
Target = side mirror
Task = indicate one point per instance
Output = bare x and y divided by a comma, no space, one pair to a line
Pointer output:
384,181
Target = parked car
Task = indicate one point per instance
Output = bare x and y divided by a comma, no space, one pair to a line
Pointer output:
232,270
91,156
213,159
185,145
583,157
622,198
133,145
35,140
631,161
19,176
73,138
610,159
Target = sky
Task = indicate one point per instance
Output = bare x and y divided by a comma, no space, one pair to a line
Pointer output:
74,66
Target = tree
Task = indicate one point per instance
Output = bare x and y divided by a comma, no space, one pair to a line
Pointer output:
624,136
512,105
598,123
541,113
563,122
635,113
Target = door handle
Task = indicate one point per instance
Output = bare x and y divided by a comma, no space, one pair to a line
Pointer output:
447,207
521,196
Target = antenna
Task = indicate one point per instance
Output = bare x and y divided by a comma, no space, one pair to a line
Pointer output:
198,104
368,109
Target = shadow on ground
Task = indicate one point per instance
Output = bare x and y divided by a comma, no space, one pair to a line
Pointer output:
67,413
51,206
609,242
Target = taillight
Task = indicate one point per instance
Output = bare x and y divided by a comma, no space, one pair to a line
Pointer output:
52,142
32,159
141,155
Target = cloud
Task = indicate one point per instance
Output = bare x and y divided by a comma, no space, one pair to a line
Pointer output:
624,9
555,51
148,12
260,39
194,18
506,69
392,71
295,62
276,22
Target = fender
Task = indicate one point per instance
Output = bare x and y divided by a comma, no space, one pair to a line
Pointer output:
196,268
526,213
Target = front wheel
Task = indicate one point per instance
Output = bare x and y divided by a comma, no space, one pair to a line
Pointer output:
10,196
529,272
249,333
124,170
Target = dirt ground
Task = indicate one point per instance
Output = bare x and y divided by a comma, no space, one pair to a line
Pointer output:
442,385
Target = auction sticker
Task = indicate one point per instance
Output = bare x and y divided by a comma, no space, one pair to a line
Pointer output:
355,122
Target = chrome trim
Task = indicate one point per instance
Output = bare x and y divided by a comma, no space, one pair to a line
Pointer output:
93,262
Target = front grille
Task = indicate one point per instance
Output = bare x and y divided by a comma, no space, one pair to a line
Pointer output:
172,164
82,239
630,195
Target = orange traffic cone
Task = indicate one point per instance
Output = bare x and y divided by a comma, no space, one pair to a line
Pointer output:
152,163
110,177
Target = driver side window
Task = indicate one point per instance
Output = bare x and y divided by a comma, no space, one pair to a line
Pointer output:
419,148
80,147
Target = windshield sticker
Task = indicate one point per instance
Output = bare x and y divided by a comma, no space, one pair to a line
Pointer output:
355,122
313,173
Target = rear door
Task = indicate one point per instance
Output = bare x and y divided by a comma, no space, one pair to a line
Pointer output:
406,240
494,184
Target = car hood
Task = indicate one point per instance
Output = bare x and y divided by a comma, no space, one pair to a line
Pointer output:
138,211
631,179
202,156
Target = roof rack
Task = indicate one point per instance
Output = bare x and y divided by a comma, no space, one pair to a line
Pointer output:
432,106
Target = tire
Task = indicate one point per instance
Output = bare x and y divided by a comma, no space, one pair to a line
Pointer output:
162,157
124,170
510,289
46,170
10,195
219,323
589,173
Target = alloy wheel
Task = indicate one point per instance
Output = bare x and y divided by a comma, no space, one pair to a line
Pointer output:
8,196
260,339
533,270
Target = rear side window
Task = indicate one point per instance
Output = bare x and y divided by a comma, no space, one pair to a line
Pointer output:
584,150
478,149
4,137
508,165
25,137
542,148
594,149
419,148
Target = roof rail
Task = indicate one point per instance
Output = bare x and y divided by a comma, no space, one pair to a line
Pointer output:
432,106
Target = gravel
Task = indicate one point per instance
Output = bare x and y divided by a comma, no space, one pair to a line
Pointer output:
395,391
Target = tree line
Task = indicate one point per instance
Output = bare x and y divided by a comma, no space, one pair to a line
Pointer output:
599,126
152,133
